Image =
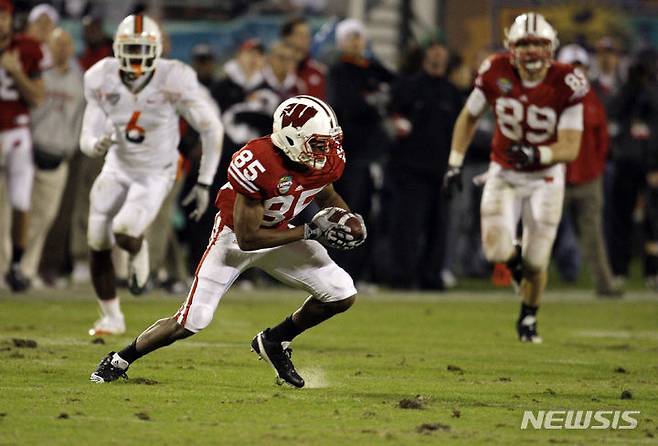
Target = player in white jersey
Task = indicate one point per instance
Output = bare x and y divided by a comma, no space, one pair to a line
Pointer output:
134,101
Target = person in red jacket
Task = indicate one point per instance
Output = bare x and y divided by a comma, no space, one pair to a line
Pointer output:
98,45
584,192
296,33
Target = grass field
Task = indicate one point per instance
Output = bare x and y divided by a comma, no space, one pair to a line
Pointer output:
454,357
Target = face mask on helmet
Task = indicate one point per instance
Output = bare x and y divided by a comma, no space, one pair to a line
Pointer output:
531,41
305,129
532,53
137,45
319,149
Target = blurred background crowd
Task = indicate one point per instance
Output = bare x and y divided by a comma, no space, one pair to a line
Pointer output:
397,73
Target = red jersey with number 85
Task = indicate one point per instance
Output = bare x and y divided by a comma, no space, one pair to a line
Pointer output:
261,171
528,114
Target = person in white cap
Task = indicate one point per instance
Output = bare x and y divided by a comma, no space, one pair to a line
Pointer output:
52,147
584,191
41,22
358,88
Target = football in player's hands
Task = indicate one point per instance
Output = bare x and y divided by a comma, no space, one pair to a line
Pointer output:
354,222
338,228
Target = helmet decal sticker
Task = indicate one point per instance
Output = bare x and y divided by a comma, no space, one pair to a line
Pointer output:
296,115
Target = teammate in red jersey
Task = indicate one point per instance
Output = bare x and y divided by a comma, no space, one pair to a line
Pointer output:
271,180
20,89
539,122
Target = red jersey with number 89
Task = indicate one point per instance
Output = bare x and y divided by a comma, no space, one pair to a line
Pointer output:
524,113
14,111
261,171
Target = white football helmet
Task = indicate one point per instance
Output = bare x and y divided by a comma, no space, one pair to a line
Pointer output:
532,41
307,131
137,44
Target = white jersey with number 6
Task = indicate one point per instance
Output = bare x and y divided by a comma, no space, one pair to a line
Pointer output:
145,123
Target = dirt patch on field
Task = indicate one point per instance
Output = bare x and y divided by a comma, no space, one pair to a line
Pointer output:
145,381
416,403
428,428
619,347
143,416
24,343
455,369
410,404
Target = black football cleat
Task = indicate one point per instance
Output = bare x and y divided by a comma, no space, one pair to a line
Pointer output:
526,328
16,280
278,357
107,371
515,265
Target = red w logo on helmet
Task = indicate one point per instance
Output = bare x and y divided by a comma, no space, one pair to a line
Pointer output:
297,115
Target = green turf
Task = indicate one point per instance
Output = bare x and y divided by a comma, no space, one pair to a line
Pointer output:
211,390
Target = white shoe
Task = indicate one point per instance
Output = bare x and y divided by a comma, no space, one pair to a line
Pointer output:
364,287
652,283
619,281
38,283
81,273
139,270
448,278
108,326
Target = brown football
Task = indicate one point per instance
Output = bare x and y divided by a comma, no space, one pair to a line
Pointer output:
350,220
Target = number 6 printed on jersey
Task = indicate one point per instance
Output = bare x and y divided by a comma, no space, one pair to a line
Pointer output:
135,133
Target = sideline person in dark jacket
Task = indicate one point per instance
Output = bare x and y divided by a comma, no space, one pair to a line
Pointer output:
634,113
424,106
358,90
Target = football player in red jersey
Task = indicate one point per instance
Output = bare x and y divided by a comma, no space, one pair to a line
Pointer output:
539,122
20,88
271,180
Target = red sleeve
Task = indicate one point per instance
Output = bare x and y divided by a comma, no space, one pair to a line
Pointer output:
241,171
488,73
483,79
575,86
31,56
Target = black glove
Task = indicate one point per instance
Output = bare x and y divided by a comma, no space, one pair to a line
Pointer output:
522,156
452,181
